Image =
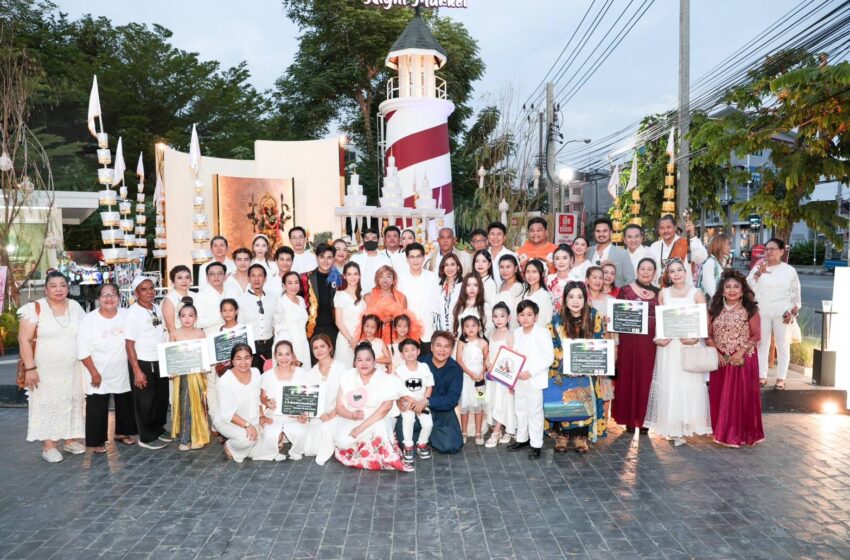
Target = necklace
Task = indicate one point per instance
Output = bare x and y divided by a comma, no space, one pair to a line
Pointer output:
729,307
56,317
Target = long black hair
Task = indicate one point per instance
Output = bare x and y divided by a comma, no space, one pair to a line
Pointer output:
748,298
581,326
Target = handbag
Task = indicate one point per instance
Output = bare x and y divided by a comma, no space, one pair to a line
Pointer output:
21,376
699,359
795,333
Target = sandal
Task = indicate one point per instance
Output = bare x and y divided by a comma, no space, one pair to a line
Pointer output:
479,439
493,440
126,440
506,438
763,382
779,385
581,444
561,443
100,449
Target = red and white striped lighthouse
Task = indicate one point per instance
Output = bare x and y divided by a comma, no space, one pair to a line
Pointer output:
416,113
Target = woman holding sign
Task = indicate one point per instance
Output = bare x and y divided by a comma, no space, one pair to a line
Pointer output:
363,440
283,374
573,403
189,425
636,356
326,372
678,399
735,330
239,414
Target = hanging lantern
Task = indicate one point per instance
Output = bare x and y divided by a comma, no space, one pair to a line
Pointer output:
617,214
669,194
638,221
671,168
634,208
669,180
635,195
668,206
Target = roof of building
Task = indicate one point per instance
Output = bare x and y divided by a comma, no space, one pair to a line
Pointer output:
416,36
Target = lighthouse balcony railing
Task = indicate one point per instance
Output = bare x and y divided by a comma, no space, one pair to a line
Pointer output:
394,90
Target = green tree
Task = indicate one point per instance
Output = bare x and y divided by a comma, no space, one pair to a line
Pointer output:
339,78
794,106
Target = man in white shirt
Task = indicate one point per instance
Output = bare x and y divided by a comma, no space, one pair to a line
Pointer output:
392,247
633,239
446,242
370,260
283,258
208,299
256,309
303,260
143,332
672,246
603,252
218,246
421,288
497,232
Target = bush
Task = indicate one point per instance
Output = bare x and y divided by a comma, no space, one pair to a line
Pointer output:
802,253
9,329
802,353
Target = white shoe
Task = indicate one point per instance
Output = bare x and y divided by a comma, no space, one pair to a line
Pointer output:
295,456
506,438
52,455
280,457
74,447
679,441
493,440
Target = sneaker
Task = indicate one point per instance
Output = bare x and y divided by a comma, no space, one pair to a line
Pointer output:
407,455
295,456
506,438
155,444
280,457
493,440
52,455
74,447
184,447
166,437
423,452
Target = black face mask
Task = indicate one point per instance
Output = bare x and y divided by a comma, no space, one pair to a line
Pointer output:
370,245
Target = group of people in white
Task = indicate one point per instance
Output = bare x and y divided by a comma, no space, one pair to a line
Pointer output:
402,343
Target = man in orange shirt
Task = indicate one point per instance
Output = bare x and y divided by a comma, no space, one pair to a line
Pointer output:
537,246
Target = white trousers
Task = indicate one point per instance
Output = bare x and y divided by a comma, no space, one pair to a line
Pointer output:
426,424
212,393
241,447
773,324
528,407
295,432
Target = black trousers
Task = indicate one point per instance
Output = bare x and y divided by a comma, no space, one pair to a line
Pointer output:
151,403
263,353
97,417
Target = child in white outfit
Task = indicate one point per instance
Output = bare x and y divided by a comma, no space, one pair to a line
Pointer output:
417,383
471,357
535,343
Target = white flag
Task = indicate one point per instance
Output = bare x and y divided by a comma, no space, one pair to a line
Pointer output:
120,167
614,182
195,151
140,169
671,144
633,175
94,108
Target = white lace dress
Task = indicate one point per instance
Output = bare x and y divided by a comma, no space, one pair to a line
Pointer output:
290,323
351,314
678,400
56,407
473,359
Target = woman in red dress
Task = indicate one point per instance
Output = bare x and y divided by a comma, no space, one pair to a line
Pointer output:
733,391
636,354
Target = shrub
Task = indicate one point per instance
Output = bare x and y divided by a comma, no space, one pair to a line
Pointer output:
802,253
802,352
9,328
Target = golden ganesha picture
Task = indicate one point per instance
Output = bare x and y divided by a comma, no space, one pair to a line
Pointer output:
248,206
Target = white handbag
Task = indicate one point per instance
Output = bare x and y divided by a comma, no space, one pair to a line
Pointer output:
699,359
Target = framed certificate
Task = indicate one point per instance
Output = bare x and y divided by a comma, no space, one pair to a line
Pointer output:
588,356
183,357
222,343
681,321
297,399
628,316
506,366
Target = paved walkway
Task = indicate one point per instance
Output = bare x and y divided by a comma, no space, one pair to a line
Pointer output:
787,498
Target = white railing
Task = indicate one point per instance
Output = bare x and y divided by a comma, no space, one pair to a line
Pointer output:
440,91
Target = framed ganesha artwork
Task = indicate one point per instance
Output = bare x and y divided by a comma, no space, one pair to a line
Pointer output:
246,207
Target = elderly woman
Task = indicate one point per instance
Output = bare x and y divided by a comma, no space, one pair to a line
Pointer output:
363,439
100,346
54,377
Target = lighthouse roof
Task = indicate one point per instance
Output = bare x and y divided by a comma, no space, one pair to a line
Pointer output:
416,39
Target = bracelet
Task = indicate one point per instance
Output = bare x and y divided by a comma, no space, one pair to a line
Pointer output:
31,368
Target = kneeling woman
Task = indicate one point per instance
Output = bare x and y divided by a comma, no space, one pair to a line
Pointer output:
362,439
240,418
293,427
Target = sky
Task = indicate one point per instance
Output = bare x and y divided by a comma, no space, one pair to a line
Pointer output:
518,40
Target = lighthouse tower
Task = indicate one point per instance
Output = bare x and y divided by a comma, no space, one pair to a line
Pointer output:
415,115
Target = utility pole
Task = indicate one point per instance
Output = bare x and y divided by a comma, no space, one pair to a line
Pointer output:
682,191
550,146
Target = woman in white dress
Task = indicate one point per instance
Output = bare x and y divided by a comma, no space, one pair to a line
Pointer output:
363,439
101,348
273,380
54,376
562,258
450,274
178,296
239,410
510,293
580,261
535,290
290,318
482,262
319,441
349,306
678,400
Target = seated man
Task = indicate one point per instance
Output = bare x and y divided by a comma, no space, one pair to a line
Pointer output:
448,383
